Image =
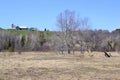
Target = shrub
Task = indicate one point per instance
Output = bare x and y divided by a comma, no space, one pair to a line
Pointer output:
11,49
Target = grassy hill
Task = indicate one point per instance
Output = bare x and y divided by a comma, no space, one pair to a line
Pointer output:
25,32
19,32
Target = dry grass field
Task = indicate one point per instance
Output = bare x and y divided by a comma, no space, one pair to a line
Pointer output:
51,66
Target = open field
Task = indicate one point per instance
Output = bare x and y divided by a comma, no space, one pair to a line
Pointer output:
51,66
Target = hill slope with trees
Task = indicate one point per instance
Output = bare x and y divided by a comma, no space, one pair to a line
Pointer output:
81,40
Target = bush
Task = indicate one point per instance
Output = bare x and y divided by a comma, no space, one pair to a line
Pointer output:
11,49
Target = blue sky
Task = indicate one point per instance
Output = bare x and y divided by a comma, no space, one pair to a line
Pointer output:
102,14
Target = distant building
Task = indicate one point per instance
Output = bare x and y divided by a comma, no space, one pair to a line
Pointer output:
19,27
1,28
32,29
23,28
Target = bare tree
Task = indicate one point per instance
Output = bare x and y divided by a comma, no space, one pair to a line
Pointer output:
116,36
57,42
68,23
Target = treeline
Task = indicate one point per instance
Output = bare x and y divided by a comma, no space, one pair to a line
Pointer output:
23,40
87,40
80,40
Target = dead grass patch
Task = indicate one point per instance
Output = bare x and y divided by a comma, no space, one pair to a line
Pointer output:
50,66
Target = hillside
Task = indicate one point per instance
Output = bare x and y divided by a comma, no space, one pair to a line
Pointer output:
24,32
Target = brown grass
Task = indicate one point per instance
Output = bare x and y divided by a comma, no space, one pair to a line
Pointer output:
51,66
